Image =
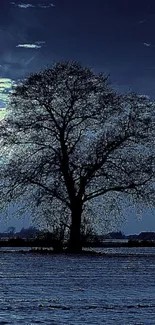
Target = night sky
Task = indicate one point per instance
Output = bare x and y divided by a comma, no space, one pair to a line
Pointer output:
113,36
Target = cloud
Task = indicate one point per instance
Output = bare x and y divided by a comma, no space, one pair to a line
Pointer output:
30,5
44,6
142,21
29,46
147,44
40,42
25,6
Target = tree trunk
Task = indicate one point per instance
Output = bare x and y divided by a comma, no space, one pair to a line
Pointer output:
75,243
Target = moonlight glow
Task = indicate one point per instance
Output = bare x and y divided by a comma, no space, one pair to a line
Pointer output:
5,88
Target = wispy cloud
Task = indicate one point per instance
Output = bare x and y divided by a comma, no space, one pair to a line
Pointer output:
142,21
29,46
23,5
30,5
148,44
40,42
44,6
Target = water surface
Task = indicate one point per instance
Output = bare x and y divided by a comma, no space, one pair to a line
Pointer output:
117,288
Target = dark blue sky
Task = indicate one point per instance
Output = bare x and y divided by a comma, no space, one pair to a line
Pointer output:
113,36
108,35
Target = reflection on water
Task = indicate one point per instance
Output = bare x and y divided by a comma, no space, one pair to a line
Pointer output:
116,288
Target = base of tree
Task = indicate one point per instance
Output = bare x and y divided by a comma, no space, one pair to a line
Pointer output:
73,250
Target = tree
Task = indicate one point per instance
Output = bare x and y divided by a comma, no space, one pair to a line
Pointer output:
69,138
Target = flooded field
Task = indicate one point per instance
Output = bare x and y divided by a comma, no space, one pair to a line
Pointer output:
117,288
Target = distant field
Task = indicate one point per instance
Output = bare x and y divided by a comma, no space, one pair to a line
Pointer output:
2,113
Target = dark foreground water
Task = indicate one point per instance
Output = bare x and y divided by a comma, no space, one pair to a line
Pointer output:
117,288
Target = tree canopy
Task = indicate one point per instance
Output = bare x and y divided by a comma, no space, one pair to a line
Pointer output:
69,138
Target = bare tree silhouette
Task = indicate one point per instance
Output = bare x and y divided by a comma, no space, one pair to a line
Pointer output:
69,138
